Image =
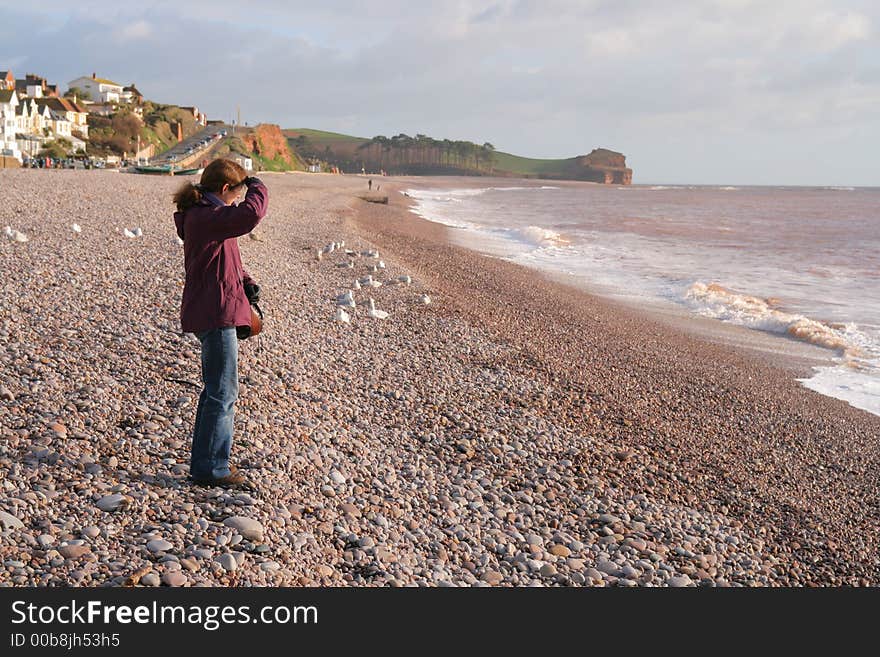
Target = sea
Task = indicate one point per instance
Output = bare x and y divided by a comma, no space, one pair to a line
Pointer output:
800,263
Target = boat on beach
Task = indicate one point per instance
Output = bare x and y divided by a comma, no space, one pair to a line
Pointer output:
167,170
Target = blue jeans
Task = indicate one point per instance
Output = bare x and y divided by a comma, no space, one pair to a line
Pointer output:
212,434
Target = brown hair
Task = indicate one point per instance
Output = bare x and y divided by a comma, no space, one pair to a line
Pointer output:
216,174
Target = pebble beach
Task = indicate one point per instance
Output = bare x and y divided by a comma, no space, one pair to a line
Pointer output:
511,431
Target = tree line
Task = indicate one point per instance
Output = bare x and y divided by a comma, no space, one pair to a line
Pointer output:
404,154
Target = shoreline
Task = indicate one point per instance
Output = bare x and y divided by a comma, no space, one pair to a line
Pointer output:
787,353
508,433
643,352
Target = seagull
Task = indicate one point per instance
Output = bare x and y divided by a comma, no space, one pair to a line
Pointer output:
15,235
368,281
346,300
330,248
318,255
357,285
373,269
128,233
352,254
347,265
381,264
76,228
406,280
425,299
376,314
138,232
342,316
180,241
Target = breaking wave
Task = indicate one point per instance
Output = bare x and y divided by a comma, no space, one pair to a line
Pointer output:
713,300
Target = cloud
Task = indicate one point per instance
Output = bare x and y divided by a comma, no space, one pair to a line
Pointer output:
133,31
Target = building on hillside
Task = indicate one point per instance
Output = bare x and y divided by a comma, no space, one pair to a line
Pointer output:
35,86
74,113
246,163
98,90
199,117
8,104
130,94
59,124
7,81
30,118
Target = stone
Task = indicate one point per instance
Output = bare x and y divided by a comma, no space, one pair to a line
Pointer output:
679,581
560,551
175,578
9,521
159,545
325,571
91,531
608,567
190,564
548,570
150,579
350,510
114,502
270,566
6,394
73,551
45,540
337,478
575,564
493,577
227,561
248,527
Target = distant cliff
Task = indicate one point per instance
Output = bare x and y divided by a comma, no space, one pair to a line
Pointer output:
602,166
424,155
266,145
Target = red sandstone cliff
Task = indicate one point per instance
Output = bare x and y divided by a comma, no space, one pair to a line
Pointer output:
602,166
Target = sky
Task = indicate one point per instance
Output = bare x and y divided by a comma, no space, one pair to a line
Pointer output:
768,92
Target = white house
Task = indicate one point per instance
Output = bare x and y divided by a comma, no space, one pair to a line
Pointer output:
8,103
31,118
59,124
98,90
71,110
246,163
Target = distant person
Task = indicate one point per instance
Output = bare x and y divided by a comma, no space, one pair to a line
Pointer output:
369,184
215,303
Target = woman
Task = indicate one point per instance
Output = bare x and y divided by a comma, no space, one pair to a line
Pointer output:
214,304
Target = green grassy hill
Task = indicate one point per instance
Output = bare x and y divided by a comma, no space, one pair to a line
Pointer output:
423,155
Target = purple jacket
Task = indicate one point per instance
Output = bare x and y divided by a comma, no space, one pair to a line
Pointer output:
213,296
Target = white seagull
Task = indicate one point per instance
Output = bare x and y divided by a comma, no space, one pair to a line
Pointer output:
357,285
76,228
15,235
346,300
406,280
342,316
376,314
425,299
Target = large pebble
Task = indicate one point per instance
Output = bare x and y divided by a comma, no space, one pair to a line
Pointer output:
9,521
113,502
227,561
248,527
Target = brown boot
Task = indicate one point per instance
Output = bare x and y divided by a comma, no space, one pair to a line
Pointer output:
233,480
